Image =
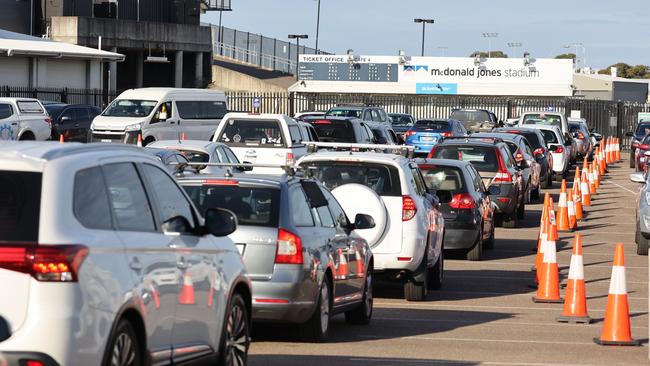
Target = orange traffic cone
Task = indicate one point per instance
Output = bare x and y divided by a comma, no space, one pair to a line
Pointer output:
603,165
597,176
592,180
139,142
571,208
618,149
186,296
577,195
552,233
585,163
541,247
562,209
616,327
575,303
360,265
608,151
154,294
585,190
61,138
342,271
183,137
548,290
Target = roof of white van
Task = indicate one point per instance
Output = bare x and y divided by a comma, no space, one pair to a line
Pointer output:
376,157
543,127
159,93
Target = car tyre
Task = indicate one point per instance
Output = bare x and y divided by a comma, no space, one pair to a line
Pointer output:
510,222
521,210
417,290
489,244
549,180
318,326
436,274
534,195
363,313
632,162
235,337
476,252
641,243
124,348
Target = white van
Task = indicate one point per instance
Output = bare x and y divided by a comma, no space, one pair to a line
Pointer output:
160,114
273,139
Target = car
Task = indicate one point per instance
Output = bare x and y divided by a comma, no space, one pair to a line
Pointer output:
640,131
160,114
383,133
87,229
401,122
273,139
464,203
169,158
407,240
640,158
360,111
308,132
559,148
523,154
71,120
305,261
300,116
342,129
426,133
580,133
540,151
198,151
493,160
642,227
475,120
556,119
24,119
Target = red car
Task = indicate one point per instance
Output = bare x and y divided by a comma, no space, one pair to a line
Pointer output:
641,161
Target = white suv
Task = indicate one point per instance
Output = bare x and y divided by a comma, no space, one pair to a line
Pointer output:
105,257
560,149
407,239
24,119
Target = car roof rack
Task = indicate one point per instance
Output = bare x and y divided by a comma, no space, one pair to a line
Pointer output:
468,138
288,169
406,151
353,105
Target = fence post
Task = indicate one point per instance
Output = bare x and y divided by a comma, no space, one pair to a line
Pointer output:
64,96
292,96
620,119
35,93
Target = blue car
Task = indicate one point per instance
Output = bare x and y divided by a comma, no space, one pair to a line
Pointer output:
426,133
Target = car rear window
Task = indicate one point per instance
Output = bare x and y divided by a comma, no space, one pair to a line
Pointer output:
574,127
383,179
433,125
549,137
195,156
470,116
542,119
443,178
29,106
20,206
334,131
642,129
483,158
253,206
344,112
260,133
533,139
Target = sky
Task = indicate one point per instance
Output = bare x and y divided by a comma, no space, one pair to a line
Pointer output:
610,31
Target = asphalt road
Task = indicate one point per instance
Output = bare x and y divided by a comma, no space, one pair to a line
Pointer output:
484,313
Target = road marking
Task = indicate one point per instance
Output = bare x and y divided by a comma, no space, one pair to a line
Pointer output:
454,339
432,306
530,264
395,361
506,323
620,186
526,277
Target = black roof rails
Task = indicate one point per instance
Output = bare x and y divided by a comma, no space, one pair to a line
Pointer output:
495,139
406,151
288,169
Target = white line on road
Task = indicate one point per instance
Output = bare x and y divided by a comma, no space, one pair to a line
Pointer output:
620,186
436,306
530,264
506,323
454,339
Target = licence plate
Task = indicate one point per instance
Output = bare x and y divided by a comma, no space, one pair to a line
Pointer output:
106,140
426,138
241,248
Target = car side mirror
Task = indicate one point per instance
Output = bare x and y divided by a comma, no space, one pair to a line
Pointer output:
5,333
220,222
245,168
363,221
494,190
637,178
176,225
628,134
65,119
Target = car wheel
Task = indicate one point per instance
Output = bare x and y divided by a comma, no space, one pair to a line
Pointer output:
549,180
510,222
235,337
417,290
641,243
124,349
476,252
534,195
317,327
521,210
362,314
489,244
436,274
632,162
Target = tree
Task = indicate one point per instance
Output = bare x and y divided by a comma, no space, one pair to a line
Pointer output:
571,56
624,70
493,54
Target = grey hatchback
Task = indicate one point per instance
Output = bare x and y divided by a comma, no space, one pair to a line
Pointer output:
305,261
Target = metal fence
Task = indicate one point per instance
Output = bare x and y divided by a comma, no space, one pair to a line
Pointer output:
269,53
96,97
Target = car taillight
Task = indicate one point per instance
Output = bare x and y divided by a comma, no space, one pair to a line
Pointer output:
408,208
538,151
46,263
290,159
289,248
445,134
519,156
635,144
48,120
644,146
559,150
461,201
502,176
410,133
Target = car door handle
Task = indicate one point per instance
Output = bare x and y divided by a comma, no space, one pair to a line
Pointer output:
14,123
181,264
172,122
76,125
135,264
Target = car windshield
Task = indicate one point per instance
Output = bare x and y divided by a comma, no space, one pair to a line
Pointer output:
643,128
253,206
531,137
470,116
400,120
483,158
243,132
430,125
334,131
54,110
574,127
130,108
20,203
344,112
195,156
542,119
383,179
443,178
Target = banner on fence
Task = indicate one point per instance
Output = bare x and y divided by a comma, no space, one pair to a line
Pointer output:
434,75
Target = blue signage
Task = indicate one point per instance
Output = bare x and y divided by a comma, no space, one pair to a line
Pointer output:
257,102
436,88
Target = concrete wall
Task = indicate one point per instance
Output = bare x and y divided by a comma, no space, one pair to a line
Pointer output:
229,80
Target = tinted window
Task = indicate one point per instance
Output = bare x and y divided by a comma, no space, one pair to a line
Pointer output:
195,156
574,127
28,106
344,112
300,211
20,203
476,179
325,216
241,132
5,111
252,205
382,179
231,156
127,197
81,114
419,182
383,117
470,116
642,129
294,131
130,108
483,158
507,157
533,140
433,125
542,119
340,218
549,136
54,110
443,178
169,199
91,206
401,120
70,113
374,114
334,131
203,109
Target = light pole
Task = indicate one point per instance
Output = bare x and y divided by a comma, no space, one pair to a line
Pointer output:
576,45
317,25
489,37
297,37
424,23
514,46
442,49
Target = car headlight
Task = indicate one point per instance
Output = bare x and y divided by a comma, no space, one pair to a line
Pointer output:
133,127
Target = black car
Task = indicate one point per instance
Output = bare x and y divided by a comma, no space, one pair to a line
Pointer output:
342,129
642,129
464,203
383,133
71,120
360,111
540,151
169,158
401,122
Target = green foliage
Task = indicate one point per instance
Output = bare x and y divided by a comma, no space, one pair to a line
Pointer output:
624,70
493,54
571,56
